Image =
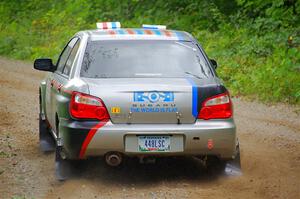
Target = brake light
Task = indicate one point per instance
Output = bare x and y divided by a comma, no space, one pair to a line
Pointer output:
84,106
216,107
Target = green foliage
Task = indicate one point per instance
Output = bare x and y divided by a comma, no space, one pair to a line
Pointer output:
248,38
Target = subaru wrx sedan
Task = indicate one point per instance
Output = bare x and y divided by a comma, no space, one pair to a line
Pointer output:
143,92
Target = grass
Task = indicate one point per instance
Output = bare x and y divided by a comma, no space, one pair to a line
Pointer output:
251,45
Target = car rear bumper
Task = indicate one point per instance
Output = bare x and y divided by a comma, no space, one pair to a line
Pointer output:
84,138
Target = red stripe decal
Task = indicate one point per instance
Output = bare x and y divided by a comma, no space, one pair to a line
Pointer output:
148,32
167,33
131,32
111,32
89,137
60,87
104,25
66,91
56,85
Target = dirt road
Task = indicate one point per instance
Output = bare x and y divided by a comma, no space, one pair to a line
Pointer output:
270,153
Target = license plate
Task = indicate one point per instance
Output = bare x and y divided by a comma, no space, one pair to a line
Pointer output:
154,143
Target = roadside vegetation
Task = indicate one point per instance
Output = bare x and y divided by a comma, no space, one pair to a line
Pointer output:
256,43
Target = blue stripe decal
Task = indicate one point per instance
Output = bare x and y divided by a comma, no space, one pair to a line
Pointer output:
157,32
113,25
121,32
179,36
194,98
150,28
139,32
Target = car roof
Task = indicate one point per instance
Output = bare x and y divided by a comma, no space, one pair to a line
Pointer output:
137,34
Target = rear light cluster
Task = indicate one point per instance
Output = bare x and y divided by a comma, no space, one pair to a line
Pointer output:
216,107
84,106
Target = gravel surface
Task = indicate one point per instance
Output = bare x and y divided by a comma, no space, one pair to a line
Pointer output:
270,154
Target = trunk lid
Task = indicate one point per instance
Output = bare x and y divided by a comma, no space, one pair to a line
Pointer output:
146,100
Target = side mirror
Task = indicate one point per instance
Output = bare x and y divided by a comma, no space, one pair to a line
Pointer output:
44,64
214,63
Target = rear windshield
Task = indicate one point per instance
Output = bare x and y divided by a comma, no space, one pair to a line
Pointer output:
140,58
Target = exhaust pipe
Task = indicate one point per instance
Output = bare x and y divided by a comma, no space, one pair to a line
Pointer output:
113,159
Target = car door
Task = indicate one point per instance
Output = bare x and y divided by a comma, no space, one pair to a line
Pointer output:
54,83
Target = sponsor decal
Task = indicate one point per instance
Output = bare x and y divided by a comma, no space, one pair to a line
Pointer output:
115,109
153,96
59,87
153,110
153,102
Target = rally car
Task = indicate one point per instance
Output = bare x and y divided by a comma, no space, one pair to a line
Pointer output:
134,92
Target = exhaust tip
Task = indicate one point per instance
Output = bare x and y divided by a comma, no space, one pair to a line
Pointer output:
113,159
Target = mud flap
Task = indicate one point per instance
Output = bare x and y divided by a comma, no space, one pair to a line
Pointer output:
63,167
233,167
47,142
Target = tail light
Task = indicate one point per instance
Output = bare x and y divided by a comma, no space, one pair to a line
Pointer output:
216,107
84,106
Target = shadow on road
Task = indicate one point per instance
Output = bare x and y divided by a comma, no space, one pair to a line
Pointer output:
132,172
